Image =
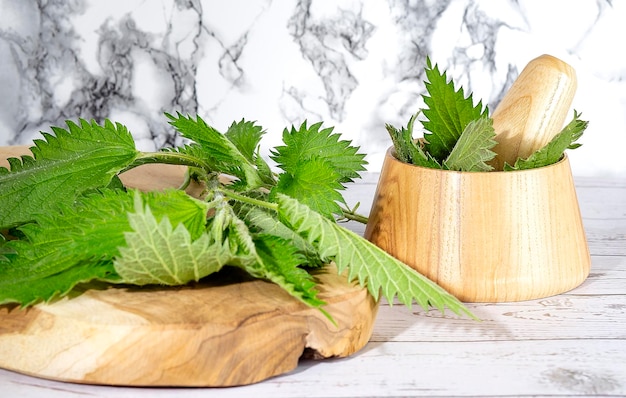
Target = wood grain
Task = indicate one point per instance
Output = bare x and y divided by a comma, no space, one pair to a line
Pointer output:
226,330
534,109
484,237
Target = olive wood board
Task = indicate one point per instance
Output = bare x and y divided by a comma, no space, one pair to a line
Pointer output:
226,330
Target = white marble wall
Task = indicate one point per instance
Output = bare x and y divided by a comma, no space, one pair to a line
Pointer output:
354,64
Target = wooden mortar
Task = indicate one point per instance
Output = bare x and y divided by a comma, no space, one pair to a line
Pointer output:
493,236
483,236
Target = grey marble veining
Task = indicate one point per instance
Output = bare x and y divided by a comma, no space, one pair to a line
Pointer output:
353,64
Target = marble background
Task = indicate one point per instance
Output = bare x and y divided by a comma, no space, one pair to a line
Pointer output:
353,64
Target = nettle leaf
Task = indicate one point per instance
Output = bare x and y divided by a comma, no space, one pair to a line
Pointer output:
217,151
448,112
269,257
308,143
54,255
246,136
4,249
20,286
264,221
407,148
553,151
365,262
473,149
315,183
281,262
158,253
316,164
77,243
72,161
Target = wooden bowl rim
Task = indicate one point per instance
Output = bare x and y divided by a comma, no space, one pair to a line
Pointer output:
390,154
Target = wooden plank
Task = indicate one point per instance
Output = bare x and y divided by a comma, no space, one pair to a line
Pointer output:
592,310
465,369
607,277
560,317
565,367
603,207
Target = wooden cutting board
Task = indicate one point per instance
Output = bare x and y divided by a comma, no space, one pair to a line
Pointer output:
226,330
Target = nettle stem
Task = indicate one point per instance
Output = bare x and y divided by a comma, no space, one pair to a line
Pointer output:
182,159
248,200
351,215
175,158
347,214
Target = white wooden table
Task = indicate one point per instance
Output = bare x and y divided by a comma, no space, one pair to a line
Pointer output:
573,344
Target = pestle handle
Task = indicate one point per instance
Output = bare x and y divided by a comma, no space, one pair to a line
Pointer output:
534,109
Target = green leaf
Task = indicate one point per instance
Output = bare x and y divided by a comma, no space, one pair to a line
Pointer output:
20,286
63,166
553,151
269,257
315,183
54,255
407,149
246,136
281,261
78,243
101,220
473,149
217,151
308,143
4,249
157,253
263,221
448,112
315,164
365,262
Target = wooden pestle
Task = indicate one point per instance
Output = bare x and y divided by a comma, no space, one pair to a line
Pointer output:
534,109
